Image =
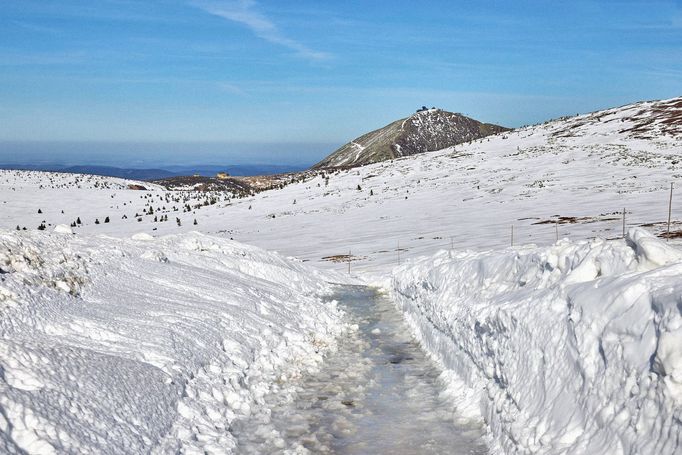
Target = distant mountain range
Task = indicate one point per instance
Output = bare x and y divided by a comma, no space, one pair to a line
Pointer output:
425,131
160,173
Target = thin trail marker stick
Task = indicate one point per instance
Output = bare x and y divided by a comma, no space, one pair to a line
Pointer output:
670,209
623,222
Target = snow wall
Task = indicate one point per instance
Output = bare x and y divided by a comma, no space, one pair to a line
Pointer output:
148,345
574,348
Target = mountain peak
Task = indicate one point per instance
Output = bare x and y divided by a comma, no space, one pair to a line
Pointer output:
424,131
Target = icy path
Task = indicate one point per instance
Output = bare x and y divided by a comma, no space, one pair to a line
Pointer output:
378,393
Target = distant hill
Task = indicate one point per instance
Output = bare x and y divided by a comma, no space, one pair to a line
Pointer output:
240,170
157,174
425,131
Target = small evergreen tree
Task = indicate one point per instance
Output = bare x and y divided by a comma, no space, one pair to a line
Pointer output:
195,221
40,211
78,220
96,220
106,220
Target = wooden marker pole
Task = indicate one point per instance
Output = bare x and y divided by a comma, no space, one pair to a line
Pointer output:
670,208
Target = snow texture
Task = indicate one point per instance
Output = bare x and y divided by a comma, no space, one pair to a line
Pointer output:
138,334
568,349
136,345
588,167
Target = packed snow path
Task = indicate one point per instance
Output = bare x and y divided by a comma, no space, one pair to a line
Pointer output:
378,393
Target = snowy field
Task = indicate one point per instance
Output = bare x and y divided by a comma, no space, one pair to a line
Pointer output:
586,168
118,345
568,346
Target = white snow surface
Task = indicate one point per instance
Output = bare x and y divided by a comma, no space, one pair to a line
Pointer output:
129,346
590,167
574,348
146,334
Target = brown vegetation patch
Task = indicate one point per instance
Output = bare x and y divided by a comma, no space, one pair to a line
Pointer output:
578,219
136,187
343,258
671,235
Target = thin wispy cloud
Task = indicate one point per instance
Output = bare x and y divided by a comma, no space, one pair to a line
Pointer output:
41,59
677,20
35,27
245,12
229,87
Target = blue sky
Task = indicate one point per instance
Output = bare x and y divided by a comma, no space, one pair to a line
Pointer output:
298,78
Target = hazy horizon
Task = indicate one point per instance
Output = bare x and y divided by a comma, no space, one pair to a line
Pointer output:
160,154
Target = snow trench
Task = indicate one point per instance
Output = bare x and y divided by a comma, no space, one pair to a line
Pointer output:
574,348
139,345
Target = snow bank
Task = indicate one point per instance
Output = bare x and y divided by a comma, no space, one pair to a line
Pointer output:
122,346
574,348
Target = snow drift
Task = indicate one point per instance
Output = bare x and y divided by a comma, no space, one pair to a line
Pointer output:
138,345
573,348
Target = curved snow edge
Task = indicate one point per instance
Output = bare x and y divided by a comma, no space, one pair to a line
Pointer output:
124,346
575,348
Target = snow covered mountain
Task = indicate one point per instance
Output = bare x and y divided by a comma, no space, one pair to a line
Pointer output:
567,342
579,172
425,131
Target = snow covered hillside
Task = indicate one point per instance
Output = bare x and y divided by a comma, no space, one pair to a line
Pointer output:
125,345
571,346
32,200
569,349
426,130
579,171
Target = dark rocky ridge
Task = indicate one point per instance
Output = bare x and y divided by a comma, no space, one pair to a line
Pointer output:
425,131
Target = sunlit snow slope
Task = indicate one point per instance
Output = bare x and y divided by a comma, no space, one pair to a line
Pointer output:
568,347
588,167
575,348
426,130
123,346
